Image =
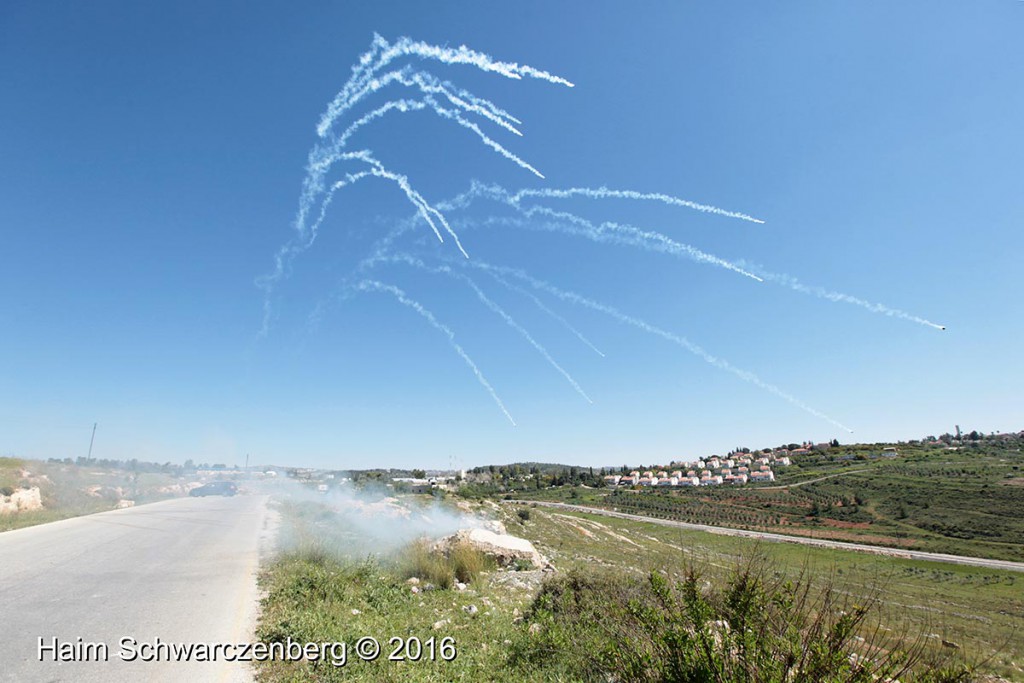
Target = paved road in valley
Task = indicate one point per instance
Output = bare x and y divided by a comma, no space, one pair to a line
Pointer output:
182,570
820,542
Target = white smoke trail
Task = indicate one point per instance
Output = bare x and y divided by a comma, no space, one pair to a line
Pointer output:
415,197
382,53
325,157
321,161
491,304
375,286
572,297
428,84
607,232
614,233
649,240
453,115
307,234
605,193
364,82
540,304
838,297
526,335
322,158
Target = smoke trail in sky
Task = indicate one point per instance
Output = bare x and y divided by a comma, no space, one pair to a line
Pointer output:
382,53
526,335
364,81
572,224
307,235
428,84
540,304
375,286
612,233
323,157
839,297
426,210
605,193
491,304
332,166
628,235
572,297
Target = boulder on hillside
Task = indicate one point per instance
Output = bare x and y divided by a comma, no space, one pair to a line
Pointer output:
22,500
503,548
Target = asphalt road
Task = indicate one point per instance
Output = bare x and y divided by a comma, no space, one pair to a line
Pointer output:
782,538
181,571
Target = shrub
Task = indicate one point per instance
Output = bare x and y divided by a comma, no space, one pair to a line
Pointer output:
6,491
420,561
755,626
462,563
524,514
467,562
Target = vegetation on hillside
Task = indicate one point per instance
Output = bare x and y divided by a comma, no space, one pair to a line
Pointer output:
630,605
962,499
70,489
759,625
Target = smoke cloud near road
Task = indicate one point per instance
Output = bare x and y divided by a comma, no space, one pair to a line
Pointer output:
360,521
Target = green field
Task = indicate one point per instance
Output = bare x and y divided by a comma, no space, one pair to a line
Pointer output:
974,616
965,502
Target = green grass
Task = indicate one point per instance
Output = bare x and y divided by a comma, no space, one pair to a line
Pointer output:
965,502
980,610
603,600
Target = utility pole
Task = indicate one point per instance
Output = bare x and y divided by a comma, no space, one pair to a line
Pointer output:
91,440
246,462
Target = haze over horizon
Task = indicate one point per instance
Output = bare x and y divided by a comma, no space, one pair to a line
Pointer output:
154,156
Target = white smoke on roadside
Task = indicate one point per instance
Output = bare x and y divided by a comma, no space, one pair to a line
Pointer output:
356,521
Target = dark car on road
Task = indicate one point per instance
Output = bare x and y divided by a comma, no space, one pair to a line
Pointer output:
216,488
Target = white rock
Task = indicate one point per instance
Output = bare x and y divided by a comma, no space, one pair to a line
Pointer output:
22,500
505,549
495,526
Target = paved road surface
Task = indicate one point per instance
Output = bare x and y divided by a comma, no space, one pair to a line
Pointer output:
182,570
767,536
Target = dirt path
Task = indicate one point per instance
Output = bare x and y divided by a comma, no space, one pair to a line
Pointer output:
809,481
782,538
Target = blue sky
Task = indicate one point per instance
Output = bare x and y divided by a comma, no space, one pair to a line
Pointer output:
152,157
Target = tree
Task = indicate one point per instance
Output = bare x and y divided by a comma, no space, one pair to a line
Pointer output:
419,474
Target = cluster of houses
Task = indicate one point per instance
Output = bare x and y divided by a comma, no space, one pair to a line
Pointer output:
738,468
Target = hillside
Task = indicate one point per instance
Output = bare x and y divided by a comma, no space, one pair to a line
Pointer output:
927,495
622,591
35,492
